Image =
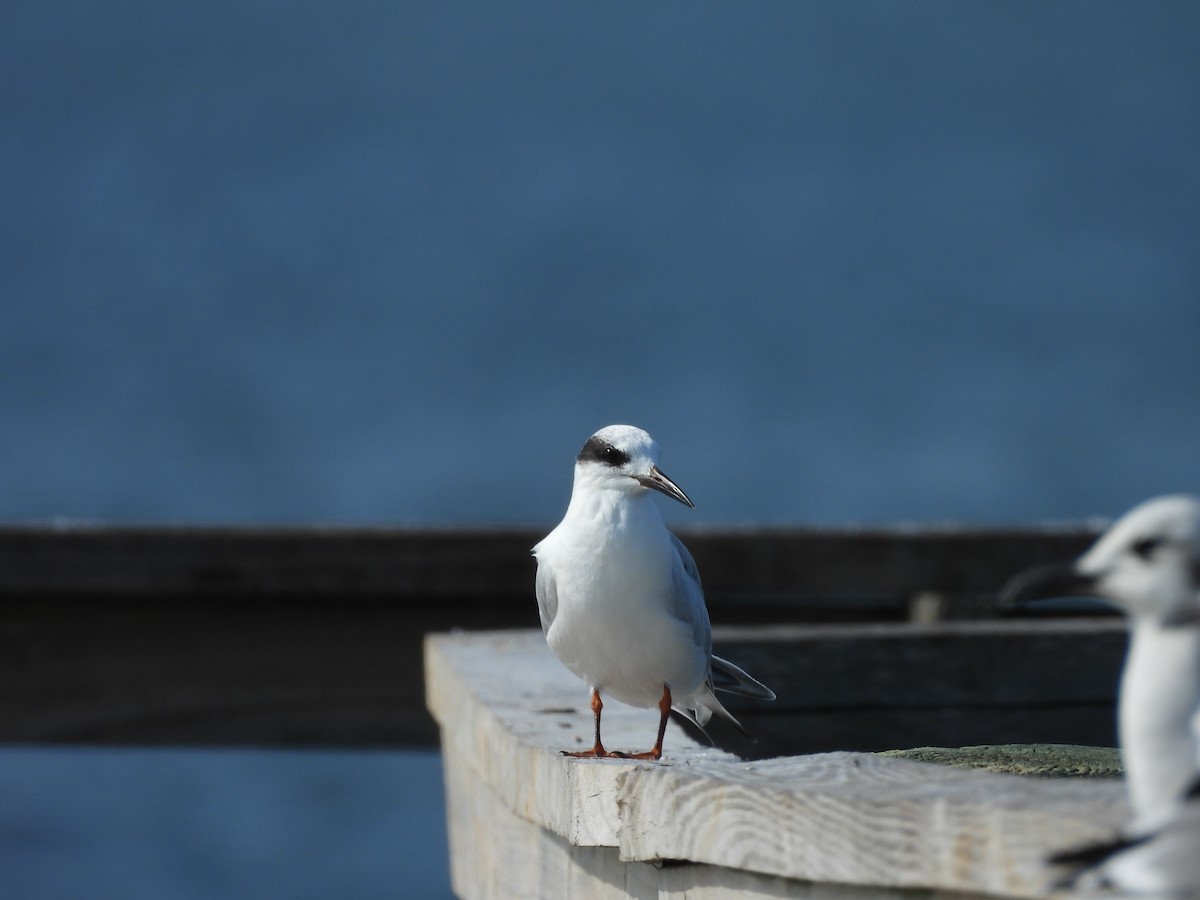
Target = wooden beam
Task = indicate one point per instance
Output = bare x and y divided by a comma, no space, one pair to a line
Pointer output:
351,563
875,686
313,635
527,821
420,563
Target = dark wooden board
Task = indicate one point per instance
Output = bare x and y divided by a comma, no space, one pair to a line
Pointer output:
495,563
312,636
878,687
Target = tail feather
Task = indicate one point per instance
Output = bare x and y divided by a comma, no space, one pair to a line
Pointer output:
744,684
706,705
694,716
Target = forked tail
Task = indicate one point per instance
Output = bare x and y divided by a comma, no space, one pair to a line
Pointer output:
743,684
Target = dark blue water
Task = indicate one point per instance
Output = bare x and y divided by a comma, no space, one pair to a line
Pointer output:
194,825
394,262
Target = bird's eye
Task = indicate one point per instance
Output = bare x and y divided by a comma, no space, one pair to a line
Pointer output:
1146,546
598,450
613,456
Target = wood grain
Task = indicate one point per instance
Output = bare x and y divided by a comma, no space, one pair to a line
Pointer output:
505,707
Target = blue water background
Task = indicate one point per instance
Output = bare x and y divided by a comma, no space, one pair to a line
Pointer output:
392,263
198,824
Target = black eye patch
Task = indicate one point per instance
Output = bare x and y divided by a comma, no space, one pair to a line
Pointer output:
1146,546
596,450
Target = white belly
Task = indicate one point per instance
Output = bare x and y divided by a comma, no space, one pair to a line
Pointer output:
615,627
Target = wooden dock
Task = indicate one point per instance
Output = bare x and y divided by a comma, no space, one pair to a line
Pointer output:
526,821
311,636
874,639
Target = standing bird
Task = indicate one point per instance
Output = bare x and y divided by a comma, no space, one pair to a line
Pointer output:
1148,565
619,596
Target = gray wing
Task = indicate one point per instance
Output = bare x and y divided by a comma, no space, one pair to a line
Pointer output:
547,596
689,606
687,603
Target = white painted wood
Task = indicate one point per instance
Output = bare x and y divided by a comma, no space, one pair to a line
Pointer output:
528,822
495,854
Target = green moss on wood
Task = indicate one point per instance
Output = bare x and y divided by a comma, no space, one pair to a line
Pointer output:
1050,760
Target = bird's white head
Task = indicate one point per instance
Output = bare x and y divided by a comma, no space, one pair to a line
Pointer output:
623,458
1147,563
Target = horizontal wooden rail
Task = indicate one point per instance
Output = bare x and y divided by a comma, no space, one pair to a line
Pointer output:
312,635
495,562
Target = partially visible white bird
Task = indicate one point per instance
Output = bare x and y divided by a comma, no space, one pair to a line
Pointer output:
619,596
1148,565
1164,862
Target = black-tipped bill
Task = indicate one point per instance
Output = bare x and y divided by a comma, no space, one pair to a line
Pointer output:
1046,583
660,482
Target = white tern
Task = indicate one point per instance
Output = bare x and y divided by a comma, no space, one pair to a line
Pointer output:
619,595
1147,564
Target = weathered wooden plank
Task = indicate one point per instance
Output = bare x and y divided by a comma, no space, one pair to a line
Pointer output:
861,819
497,855
505,707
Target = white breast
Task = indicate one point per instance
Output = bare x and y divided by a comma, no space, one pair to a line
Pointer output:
616,625
1159,699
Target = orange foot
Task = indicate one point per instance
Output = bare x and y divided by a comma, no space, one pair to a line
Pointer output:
656,753
598,752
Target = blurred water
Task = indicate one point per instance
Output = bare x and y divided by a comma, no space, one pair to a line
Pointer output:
195,825
394,262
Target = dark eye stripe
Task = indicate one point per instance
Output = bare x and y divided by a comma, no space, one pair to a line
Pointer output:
596,450
1146,546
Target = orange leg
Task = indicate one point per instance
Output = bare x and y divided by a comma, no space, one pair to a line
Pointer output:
597,748
598,751
664,713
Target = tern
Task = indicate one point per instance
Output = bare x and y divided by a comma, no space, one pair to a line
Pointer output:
619,595
1147,564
